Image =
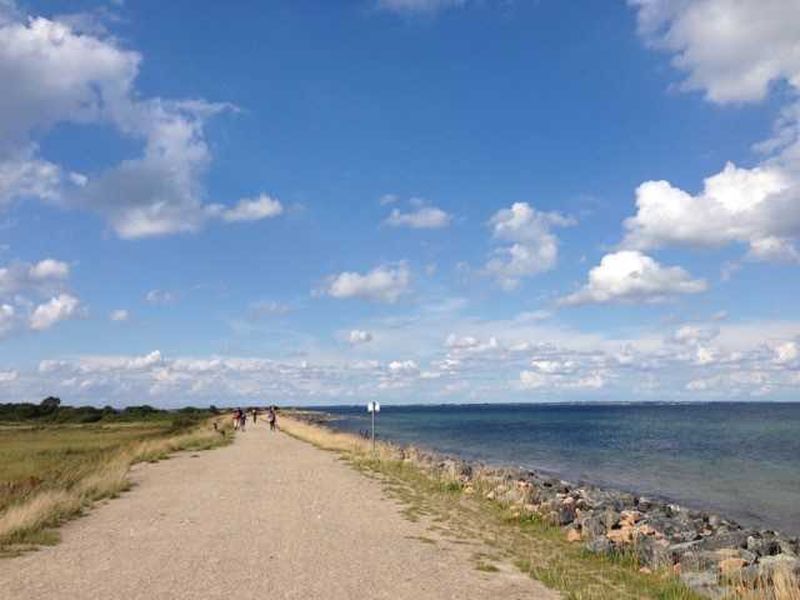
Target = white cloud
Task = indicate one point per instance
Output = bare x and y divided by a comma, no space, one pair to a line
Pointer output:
42,277
533,248
24,284
359,336
49,269
386,283
8,376
426,217
734,51
787,352
418,6
55,72
630,276
745,205
255,209
58,308
731,49
7,319
119,315
159,297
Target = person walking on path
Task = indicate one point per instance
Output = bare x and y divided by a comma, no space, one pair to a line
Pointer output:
255,416
272,418
237,419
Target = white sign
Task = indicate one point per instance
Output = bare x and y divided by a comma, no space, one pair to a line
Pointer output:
373,407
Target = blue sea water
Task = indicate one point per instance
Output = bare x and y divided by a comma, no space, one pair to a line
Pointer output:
741,460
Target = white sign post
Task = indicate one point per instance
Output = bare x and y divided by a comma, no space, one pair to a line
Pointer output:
373,407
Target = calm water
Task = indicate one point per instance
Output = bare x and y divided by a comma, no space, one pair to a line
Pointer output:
739,459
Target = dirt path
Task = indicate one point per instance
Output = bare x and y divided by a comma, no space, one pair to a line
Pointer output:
267,517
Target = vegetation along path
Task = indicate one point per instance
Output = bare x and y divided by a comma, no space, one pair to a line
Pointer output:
266,517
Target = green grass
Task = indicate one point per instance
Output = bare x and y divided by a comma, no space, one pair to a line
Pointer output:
51,473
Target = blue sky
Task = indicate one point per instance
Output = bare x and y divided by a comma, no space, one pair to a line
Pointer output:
411,200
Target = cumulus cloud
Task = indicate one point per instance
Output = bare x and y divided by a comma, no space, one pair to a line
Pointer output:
386,283
41,277
359,336
734,51
57,72
533,247
23,287
59,308
752,206
630,276
425,217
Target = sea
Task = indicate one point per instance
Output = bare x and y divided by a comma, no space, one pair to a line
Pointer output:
738,459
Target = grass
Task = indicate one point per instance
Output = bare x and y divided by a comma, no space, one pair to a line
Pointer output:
52,473
465,516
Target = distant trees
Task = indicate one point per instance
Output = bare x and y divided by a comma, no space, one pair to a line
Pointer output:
50,410
50,404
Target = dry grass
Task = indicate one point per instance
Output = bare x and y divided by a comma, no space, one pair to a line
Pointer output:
782,584
29,520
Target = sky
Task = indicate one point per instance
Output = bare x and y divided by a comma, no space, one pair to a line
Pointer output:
414,201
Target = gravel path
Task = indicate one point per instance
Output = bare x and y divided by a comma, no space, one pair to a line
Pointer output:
267,517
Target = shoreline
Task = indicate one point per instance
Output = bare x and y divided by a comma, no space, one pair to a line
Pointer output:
748,516
706,550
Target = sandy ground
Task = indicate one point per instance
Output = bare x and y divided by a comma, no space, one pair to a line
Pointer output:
267,517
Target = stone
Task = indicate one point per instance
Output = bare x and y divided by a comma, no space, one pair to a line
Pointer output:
730,566
592,527
610,518
653,553
621,536
573,535
600,545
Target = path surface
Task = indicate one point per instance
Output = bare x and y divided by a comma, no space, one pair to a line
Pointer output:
267,517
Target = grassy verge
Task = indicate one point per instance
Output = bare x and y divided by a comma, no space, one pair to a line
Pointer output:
463,515
51,473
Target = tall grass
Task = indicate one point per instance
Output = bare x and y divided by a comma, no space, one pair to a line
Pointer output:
29,520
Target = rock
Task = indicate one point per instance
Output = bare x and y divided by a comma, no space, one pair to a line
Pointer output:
653,553
734,539
573,535
621,536
630,517
600,545
566,514
730,566
592,527
763,545
610,518
697,560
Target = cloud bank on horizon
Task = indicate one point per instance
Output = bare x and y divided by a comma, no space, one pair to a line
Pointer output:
131,191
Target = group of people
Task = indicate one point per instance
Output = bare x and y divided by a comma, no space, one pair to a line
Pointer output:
240,418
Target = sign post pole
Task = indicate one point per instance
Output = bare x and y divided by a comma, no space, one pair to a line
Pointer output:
373,407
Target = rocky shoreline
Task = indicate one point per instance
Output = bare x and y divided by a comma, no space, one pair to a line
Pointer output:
711,554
